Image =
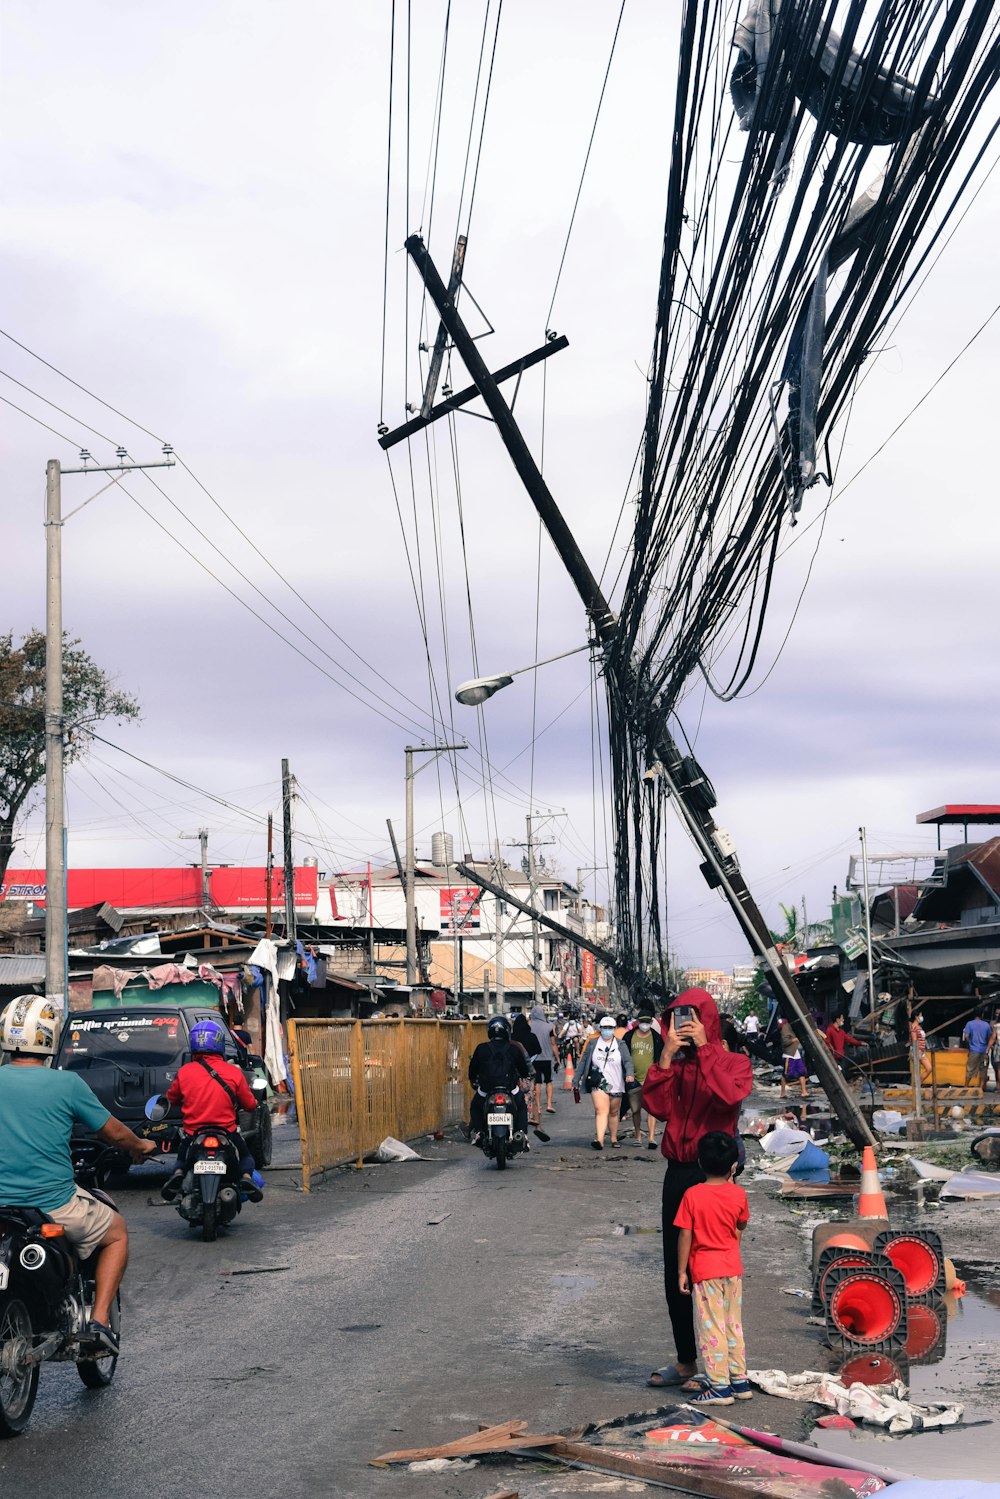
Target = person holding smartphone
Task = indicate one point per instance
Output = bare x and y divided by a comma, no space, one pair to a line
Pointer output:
696,1087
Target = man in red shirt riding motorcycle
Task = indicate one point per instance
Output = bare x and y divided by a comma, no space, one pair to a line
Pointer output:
210,1091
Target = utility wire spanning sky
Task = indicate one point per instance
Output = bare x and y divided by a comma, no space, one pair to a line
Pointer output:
194,232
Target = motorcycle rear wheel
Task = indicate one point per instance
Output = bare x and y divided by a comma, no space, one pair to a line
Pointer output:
18,1386
209,1222
97,1374
501,1155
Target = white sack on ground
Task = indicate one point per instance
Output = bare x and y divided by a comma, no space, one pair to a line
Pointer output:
784,1141
885,1406
392,1149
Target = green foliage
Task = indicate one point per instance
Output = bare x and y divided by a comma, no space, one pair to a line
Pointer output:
89,697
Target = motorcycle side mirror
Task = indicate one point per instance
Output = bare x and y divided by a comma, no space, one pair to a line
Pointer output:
156,1108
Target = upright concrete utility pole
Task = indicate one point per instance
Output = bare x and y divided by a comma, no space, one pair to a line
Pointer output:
56,924
536,933
269,919
409,876
499,917
201,837
687,784
287,793
56,959
411,861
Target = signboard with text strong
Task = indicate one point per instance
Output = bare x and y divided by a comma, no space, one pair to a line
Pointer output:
460,909
588,969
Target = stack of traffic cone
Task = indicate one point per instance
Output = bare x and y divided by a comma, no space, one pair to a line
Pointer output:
871,1202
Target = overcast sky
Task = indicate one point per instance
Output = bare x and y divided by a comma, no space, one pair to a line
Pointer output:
194,231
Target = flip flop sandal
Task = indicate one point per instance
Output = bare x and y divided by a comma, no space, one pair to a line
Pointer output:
669,1376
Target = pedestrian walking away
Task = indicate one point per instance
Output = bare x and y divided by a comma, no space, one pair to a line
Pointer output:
545,1058
710,1223
696,1087
645,1047
525,1037
605,1072
978,1037
793,1068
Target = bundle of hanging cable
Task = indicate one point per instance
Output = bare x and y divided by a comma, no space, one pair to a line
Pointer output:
820,153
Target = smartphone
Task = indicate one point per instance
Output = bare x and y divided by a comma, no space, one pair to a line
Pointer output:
683,1014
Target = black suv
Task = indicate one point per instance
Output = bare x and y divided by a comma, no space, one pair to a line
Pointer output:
126,1056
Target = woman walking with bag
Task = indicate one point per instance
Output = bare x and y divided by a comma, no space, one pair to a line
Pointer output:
605,1071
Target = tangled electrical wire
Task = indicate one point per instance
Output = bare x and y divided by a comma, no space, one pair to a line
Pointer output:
783,262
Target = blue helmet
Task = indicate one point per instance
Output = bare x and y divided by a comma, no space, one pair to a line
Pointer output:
208,1035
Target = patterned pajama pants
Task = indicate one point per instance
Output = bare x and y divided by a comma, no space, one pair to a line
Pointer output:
718,1325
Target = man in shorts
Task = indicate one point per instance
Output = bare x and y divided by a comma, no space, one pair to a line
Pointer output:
38,1109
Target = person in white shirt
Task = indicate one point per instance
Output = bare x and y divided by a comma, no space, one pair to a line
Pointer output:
751,1026
605,1071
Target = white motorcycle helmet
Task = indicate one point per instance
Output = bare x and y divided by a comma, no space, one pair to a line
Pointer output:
30,1024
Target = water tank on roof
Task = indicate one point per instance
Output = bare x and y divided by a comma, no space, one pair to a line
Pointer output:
442,850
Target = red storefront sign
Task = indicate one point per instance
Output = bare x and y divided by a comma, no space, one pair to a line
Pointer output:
460,908
588,969
164,889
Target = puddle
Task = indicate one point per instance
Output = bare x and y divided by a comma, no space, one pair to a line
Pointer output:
965,1368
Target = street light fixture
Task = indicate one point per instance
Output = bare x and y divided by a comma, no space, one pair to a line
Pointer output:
470,694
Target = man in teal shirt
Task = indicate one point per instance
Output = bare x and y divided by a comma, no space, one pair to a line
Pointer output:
38,1109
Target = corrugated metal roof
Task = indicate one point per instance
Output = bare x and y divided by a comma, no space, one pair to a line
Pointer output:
21,968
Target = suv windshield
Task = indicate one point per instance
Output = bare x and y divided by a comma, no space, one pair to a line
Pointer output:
147,1040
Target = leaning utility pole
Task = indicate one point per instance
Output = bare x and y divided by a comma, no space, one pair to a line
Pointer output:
287,793
685,781
56,919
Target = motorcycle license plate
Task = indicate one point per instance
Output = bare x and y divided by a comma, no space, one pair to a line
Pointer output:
507,1119
209,1168
4,1272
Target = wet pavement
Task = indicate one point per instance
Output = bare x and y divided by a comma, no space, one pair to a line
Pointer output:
404,1304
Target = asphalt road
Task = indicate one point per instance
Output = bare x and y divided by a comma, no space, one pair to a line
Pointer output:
378,1328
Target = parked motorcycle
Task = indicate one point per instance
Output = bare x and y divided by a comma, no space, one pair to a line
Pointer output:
46,1300
211,1193
499,1140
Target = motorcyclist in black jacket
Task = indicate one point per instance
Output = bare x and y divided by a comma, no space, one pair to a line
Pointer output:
498,1063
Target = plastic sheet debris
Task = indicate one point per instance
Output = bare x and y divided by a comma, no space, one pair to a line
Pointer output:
442,1465
785,1141
927,1172
888,1121
972,1185
945,1488
885,1405
837,1423
392,1149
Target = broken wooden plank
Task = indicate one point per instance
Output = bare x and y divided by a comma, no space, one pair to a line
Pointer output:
509,1434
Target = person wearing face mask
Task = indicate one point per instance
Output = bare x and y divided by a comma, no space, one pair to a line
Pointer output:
645,1047
606,1072
696,1087
918,1038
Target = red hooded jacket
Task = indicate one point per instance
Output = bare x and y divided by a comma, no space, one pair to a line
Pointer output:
702,1088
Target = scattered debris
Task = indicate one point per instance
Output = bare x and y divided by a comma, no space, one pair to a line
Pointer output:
360,1327
971,1185
442,1465
433,1222
392,1149
796,1291
884,1406
258,1270
837,1423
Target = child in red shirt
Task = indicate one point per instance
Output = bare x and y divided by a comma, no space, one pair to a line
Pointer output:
711,1218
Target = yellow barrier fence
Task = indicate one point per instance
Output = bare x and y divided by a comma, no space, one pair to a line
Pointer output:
357,1081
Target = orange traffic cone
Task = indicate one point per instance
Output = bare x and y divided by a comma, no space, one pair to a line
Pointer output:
568,1071
871,1203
